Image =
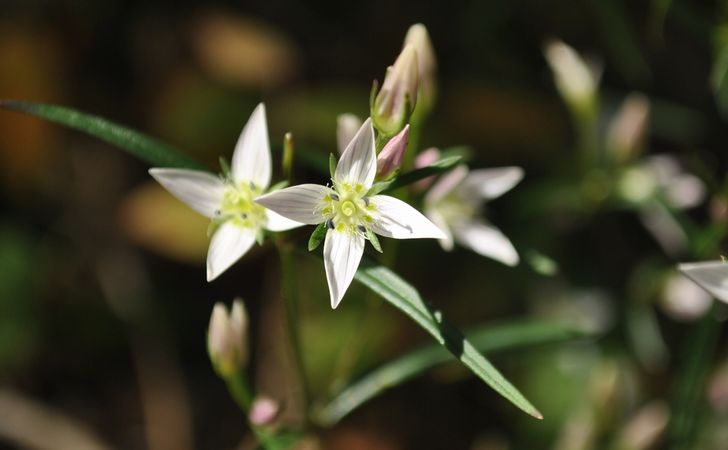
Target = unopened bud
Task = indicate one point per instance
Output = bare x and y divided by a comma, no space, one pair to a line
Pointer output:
575,79
346,127
227,338
393,105
264,411
390,158
628,129
424,159
419,38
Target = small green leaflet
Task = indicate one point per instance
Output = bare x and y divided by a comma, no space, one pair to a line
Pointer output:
156,153
374,240
332,165
317,236
404,297
486,338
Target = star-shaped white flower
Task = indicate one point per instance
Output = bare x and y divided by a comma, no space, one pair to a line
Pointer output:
229,201
454,204
350,213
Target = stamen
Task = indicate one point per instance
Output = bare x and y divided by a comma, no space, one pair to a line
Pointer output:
334,197
362,228
366,201
243,215
330,224
252,186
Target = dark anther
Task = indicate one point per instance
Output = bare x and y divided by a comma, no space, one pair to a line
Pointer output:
330,224
334,197
252,186
243,215
366,201
362,228
218,212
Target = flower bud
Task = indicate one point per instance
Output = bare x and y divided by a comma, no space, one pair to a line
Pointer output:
390,158
418,37
227,338
393,105
264,411
575,79
346,127
628,129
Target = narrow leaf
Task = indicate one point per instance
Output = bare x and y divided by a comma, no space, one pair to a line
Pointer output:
486,338
405,298
436,168
154,152
374,240
317,236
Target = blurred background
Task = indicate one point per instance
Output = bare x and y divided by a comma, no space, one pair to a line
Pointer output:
103,301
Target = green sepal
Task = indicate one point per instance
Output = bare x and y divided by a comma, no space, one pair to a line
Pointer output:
378,187
278,186
260,236
214,225
225,167
374,240
317,236
373,94
332,165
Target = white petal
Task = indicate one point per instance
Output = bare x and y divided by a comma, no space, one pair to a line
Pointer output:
434,215
446,184
396,219
486,240
491,183
685,191
276,222
346,127
229,243
711,276
358,163
342,254
251,159
201,191
301,203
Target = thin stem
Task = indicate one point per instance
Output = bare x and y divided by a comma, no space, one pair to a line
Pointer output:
290,300
240,392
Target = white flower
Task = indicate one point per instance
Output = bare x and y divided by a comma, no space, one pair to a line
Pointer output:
349,212
229,201
454,204
347,125
710,275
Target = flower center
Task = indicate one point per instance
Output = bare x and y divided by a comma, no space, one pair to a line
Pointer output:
238,206
348,209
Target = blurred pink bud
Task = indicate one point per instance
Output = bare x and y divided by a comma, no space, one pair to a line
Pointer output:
424,159
396,100
264,411
227,338
390,158
628,129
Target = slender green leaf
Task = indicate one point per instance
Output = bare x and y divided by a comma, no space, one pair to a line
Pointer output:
404,297
488,338
374,240
146,148
436,168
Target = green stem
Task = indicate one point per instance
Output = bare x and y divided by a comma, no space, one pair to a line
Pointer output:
697,351
240,392
290,300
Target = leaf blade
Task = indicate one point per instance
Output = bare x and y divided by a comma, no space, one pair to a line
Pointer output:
404,297
146,148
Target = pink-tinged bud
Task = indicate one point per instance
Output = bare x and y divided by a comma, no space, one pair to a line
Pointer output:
346,127
227,338
628,129
419,38
390,158
264,411
393,105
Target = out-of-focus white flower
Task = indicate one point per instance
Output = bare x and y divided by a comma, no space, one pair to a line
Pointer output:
656,178
351,215
227,341
454,204
419,38
628,128
575,80
710,275
396,100
684,300
645,428
228,201
346,127
390,158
